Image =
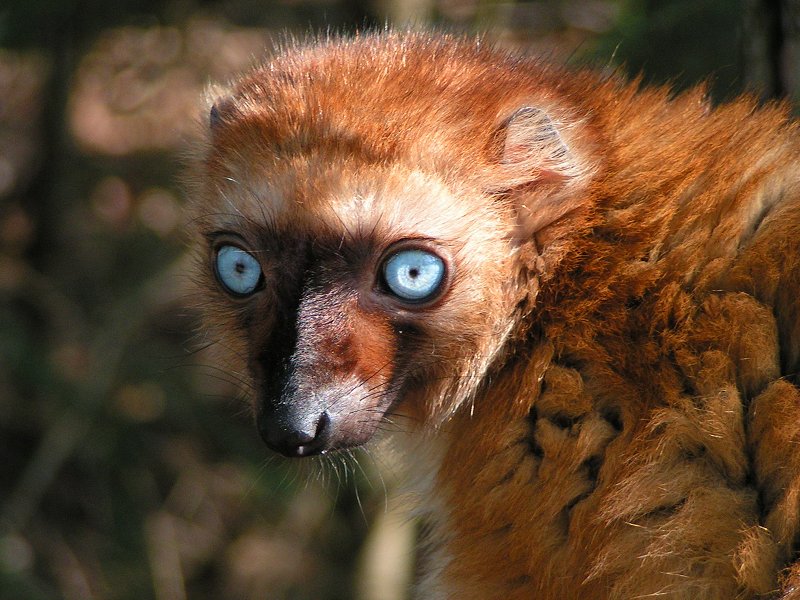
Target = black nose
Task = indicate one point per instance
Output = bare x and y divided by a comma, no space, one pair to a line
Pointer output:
297,437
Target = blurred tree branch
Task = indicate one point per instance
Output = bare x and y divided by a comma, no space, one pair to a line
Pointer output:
772,31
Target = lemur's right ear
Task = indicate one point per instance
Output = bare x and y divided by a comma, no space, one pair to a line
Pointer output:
214,118
220,113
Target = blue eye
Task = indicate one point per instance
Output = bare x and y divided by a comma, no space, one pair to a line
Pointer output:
414,275
237,270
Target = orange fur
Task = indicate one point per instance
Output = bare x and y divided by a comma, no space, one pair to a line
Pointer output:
607,387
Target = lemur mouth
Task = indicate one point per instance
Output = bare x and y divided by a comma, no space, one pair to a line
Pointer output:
315,435
298,439
300,425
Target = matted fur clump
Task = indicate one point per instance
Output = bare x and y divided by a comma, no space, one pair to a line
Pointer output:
578,297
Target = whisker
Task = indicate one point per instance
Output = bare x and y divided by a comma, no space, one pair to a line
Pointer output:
358,495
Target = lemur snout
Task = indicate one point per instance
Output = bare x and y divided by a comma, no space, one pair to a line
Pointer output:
297,435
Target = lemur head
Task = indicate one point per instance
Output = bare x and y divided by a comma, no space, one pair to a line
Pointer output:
364,214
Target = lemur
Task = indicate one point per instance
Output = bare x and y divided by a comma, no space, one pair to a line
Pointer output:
579,295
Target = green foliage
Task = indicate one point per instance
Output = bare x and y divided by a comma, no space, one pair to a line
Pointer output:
680,42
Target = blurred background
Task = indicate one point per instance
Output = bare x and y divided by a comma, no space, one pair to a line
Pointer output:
129,469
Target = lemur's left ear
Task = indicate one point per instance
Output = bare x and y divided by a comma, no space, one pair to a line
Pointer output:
537,167
534,149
